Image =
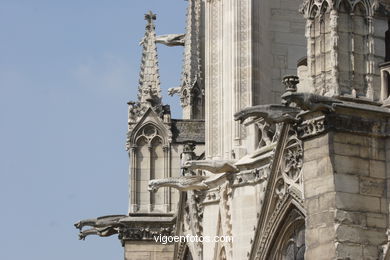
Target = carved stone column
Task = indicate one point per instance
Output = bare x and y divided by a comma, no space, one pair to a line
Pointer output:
228,75
370,60
167,204
310,51
150,195
133,207
334,17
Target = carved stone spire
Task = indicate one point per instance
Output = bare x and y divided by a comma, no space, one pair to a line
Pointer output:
192,87
149,82
149,92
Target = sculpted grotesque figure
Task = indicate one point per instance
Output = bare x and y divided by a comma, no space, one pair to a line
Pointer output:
309,101
270,113
102,226
213,166
170,40
182,183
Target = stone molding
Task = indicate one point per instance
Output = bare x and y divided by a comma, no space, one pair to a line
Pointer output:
317,123
251,177
146,230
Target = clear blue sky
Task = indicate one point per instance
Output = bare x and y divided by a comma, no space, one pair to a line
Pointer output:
67,70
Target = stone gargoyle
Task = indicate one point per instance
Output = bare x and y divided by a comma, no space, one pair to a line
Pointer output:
173,91
272,114
182,183
310,101
171,39
101,226
213,166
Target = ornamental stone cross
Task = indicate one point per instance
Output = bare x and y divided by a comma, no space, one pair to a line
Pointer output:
150,16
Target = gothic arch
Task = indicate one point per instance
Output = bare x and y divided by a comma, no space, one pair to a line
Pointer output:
287,220
187,254
289,240
222,254
197,102
283,203
150,131
150,159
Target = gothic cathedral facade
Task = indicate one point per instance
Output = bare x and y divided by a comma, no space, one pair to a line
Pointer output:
284,144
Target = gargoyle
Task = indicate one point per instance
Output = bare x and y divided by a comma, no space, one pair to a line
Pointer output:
102,226
103,232
182,183
173,91
270,113
213,166
309,101
171,39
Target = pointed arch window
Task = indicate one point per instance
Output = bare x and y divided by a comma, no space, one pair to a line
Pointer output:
150,161
187,254
290,241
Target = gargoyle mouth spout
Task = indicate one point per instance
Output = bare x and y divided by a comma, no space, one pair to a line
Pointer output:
77,225
151,188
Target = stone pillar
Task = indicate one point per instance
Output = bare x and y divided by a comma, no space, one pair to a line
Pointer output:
132,180
149,197
228,75
344,175
167,192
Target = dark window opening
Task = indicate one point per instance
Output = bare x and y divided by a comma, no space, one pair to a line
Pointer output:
387,42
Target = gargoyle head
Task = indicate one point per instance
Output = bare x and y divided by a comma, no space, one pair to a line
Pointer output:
82,236
153,186
78,225
290,97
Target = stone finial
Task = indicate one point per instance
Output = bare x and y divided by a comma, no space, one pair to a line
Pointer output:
149,82
150,16
290,82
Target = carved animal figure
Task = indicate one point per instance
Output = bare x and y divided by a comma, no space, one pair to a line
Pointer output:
182,183
213,166
103,232
173,91
309,101
171,39
102,226
270,113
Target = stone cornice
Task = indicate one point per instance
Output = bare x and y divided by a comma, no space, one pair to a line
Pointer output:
138,228
348,117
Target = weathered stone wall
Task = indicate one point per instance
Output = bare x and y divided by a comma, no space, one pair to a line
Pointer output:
138,250
345,196
246,204
278,44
